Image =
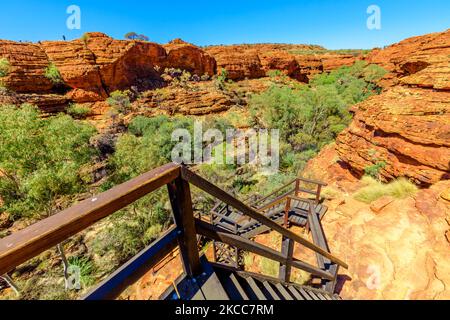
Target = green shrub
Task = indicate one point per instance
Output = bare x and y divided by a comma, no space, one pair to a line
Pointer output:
52,73
221,79
374,170
133,228
41,160
373,190
310,117
78,111
85,38
87,270
4,67
120,101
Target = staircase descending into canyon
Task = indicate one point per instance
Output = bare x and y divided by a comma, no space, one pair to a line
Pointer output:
232,226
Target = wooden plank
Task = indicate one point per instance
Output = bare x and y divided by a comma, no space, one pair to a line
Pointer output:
45,234
276,201
246,210
323,184
313,295
211,289
283,292
131,271
307,191
295,293
254,287
321,296
287,249
305,294
238,286
180,198
215,233
270,291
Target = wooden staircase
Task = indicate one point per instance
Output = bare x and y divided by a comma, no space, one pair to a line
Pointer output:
233,225
219,282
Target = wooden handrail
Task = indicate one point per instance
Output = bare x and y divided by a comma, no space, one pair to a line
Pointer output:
45,234
274,192
208,187
319,183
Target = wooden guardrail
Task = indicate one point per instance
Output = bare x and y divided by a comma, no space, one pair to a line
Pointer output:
30,242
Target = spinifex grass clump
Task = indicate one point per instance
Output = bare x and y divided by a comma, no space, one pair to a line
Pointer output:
373,190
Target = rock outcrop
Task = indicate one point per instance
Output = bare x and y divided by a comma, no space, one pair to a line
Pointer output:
297,61
406,129
400,252
96,65
199,98
239,62
188,57
27,67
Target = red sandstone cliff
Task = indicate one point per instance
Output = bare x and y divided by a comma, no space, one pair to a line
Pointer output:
408,126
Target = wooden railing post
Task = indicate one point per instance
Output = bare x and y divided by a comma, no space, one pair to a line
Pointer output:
286,212
297,187
180,198
319,191
287,249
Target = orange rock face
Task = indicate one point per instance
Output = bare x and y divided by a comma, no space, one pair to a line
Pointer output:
254,61
97,65
188,57
400,252
239,62
27,67
407,127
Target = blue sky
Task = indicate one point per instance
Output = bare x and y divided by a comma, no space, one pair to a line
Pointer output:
335,24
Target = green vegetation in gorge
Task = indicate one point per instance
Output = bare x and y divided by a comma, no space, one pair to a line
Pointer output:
120,101
45,162
78,111
41,161
311,116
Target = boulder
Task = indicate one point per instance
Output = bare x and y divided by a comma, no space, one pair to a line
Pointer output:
188,57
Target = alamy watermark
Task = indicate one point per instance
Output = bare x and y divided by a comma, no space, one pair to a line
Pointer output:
73,22
374,20
259,147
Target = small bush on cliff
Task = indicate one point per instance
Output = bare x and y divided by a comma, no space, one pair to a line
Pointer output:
374,170
373,190
120,101
221,79
4,67
52,73
41,161
78,112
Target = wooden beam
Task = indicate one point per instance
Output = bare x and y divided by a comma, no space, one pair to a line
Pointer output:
131,271
287,249
208,187
180,198
45,234
215,233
